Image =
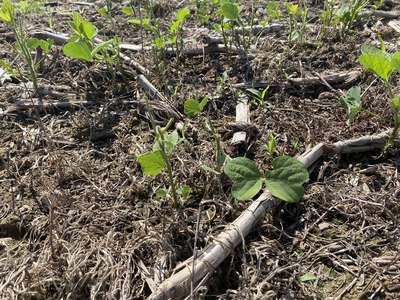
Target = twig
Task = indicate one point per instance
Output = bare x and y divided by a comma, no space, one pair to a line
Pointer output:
242,117
337,78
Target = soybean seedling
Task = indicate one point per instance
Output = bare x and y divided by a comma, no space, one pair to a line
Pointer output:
297,12
106,12
159,159
284,182
327,16
273,12
259,95
192,107
229,12
270,146
351,101
348,14
82,44
384,65
220,155
160,39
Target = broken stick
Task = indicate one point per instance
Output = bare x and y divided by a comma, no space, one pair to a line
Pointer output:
337,78
242,117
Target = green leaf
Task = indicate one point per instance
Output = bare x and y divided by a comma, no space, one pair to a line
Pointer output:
307,277
182,14
161,193
7,11
192,107
254,92
78,49
352,103
159,42
376,61
185,191
396,61
152,163
271,143
34,43
286,180
245,176
180,18
100,49
127,11
396,103
82,27
209,169
272,9
293,9
294,36
144,22
88,29
230,10
102,11
171,140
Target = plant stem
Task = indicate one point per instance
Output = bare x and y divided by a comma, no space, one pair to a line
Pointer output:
161,141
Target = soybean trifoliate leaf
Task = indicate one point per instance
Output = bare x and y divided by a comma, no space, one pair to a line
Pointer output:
352,102
185,191
88,29
182,14
78,49
245,176
192,107
34,43
180,18
152,163
82,27
286,180
376,61
293,9
127,11
171,140
272,9
230,10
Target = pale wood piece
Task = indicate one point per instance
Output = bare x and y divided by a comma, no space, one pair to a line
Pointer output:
242,117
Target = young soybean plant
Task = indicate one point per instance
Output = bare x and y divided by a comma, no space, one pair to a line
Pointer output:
284,182
83,47
348,14
160,39
155,161
351,101
384,65
229,12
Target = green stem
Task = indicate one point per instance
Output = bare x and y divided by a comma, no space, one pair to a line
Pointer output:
161,141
